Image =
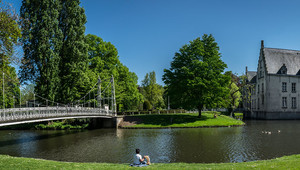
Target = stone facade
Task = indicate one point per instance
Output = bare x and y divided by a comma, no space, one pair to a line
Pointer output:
275,91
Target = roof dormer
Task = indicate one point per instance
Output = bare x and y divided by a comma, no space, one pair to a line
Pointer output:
282,70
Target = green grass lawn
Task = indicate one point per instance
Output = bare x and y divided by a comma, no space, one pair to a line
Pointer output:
185,120
286,162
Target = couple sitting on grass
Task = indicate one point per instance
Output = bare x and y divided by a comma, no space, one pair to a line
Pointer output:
138,160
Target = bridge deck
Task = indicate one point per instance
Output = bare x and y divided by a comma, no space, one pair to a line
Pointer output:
39,114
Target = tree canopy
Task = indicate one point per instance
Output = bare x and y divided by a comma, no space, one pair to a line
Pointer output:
10,32
195,77
234,97
42,41
103,62
152,92
55,52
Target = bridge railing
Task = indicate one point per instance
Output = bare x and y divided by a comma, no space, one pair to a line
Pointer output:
29,113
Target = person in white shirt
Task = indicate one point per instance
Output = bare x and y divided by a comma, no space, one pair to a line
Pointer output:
138,158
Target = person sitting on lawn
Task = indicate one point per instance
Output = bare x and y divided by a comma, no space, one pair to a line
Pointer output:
139,160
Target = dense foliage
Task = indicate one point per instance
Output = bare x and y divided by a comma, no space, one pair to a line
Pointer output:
74,80
152,92
104,62
63,63
42,41
10,32
234,97
195,78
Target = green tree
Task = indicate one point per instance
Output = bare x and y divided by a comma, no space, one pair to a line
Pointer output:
10,32
73,54
55,52
195,78
246,88
152,91
104,62
27,93
234,96
41,45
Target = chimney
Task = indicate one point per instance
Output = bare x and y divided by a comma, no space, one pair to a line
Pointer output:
246,70
262,43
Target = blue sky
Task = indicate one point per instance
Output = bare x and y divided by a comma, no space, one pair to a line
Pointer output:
147,33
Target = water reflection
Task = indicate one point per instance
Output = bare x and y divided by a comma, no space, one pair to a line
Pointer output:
164,145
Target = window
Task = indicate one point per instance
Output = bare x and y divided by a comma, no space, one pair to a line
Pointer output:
284,103
257,88
283,86
258,103
262,88
294,104
293,87
262,99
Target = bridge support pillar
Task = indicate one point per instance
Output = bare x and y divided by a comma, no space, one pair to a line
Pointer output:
106,122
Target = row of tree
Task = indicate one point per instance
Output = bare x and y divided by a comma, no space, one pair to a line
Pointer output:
63,64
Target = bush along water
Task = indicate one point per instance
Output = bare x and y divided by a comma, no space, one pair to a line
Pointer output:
65,124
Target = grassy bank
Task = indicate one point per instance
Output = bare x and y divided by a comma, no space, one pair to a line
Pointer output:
286,162
180,120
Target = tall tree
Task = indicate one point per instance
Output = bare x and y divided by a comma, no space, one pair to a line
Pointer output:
41,45
152,91
10,32
195,78
55,53
73,53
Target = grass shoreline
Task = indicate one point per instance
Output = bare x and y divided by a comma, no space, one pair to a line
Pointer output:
129,127
180,120
285,162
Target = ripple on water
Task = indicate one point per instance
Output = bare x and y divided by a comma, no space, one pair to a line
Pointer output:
236,144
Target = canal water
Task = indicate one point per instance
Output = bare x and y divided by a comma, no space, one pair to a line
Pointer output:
200,145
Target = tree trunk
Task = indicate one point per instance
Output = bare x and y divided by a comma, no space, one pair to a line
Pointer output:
230,110
231,113
200,107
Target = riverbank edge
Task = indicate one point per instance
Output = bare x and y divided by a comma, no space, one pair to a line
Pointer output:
285,162
129,127
141,121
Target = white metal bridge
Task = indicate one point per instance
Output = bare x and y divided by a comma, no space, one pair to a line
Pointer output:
103,105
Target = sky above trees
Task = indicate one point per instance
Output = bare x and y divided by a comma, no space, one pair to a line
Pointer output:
148,33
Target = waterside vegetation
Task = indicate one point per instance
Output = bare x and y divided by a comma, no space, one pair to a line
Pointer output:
286,162
67,124
208,119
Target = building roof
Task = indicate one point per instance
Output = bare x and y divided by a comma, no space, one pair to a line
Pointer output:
276,58
250,74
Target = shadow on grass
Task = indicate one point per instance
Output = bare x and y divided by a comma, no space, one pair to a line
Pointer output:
165,120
